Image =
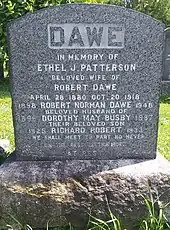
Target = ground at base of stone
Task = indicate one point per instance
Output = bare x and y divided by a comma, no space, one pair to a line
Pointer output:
66,192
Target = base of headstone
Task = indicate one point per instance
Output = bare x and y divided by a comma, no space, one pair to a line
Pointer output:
165,88
63,192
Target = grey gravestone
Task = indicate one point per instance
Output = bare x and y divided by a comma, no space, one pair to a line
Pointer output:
166,74
85,83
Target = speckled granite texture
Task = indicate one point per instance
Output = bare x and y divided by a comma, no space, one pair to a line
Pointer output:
128,131
165,88
166,72
65,192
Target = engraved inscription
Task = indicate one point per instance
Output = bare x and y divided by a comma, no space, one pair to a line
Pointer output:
72,117
71,36
84,83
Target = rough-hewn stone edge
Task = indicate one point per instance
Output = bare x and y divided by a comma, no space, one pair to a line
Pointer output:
41,190
91,167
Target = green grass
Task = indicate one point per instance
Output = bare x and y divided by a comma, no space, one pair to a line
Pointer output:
155,219
164,128
6,124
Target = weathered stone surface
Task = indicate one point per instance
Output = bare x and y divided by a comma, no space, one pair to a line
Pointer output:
2,154
62,192
166,72
5,144
165,88
107,106
4,149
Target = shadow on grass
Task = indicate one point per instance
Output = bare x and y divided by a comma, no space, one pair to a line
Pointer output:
5,88
165,99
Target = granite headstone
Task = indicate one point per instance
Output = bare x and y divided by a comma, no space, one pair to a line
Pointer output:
85,83
166,64
166,74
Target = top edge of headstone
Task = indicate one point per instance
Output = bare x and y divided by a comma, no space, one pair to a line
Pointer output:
74,6
167,32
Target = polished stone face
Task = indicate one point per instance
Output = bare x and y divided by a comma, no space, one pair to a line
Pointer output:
85,83
166,73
